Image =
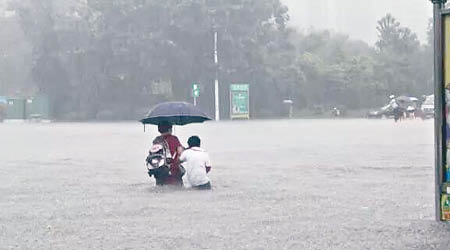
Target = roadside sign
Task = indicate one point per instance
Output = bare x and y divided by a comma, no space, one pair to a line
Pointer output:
195,90
239,101
442,119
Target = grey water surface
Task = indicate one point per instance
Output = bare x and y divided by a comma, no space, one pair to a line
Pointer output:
278,184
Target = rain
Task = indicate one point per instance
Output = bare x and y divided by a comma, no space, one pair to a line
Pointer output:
315,125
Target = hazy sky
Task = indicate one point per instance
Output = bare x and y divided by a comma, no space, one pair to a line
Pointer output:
358,18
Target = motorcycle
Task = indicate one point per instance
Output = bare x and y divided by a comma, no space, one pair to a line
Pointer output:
158,163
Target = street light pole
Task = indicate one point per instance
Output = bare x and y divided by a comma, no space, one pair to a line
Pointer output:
213,13
216,81
439,102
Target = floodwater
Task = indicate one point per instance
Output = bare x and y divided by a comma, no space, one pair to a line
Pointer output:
286,184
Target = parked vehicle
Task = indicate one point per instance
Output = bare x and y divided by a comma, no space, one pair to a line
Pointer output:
386,111
398,108
427,106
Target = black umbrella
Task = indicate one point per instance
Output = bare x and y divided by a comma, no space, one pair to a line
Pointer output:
405,101
177,113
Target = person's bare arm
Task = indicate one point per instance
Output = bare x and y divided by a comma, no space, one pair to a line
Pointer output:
180,150
208,164
182,157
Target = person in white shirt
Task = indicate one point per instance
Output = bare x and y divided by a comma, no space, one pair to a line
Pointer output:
197,165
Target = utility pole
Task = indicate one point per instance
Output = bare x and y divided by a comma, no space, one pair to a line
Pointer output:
213,14
439,102
216,82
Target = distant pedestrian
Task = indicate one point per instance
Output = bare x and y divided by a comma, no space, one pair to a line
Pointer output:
197,165
396,109
336,112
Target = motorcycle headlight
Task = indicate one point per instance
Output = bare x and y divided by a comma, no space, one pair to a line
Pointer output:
155,162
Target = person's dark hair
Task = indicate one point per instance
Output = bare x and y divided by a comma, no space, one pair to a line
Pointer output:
194,141
164,127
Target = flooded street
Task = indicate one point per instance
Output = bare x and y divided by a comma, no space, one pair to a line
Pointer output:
286,184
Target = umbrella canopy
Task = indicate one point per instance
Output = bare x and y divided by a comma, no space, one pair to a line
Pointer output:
177,113
406,101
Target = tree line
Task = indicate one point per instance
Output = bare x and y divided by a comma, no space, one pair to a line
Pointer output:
113,59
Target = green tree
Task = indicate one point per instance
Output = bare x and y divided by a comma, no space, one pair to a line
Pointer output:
400,59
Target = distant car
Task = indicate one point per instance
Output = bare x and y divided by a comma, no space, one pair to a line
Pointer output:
385,111
374,114
428,106
406,104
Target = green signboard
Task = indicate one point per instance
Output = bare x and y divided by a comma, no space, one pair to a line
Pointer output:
239,101
239,87
38,107
16,109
